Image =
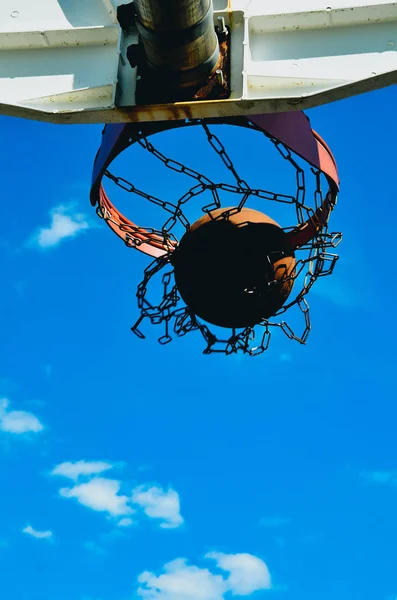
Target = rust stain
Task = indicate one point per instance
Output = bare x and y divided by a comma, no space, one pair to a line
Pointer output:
213,89
156,88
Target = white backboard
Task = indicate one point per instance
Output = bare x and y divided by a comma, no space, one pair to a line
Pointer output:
64,61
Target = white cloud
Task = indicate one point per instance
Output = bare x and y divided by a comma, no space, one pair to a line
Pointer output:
18,421
103,494
100,494
40,535
159,504
180,581
247,573
74,470
65,223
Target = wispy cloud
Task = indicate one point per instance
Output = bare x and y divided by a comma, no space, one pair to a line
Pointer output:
112,536
274,521
95,548
144,468
100,546
18,421
159,504
40,535
126,522
20,287
348,287
285,357
243,575
74,470
380,477
65,222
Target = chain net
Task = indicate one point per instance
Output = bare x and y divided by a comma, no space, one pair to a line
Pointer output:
176,319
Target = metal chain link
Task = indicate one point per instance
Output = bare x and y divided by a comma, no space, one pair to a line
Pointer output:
179,320
220,149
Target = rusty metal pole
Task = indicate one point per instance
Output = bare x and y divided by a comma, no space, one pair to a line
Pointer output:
179,40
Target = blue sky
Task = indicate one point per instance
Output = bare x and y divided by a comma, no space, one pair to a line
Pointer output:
130,470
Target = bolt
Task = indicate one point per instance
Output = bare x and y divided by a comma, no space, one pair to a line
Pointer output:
219,76
222,25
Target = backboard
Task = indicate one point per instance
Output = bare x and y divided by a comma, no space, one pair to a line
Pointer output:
64,61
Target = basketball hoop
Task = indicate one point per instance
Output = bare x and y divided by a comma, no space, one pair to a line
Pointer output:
194,293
